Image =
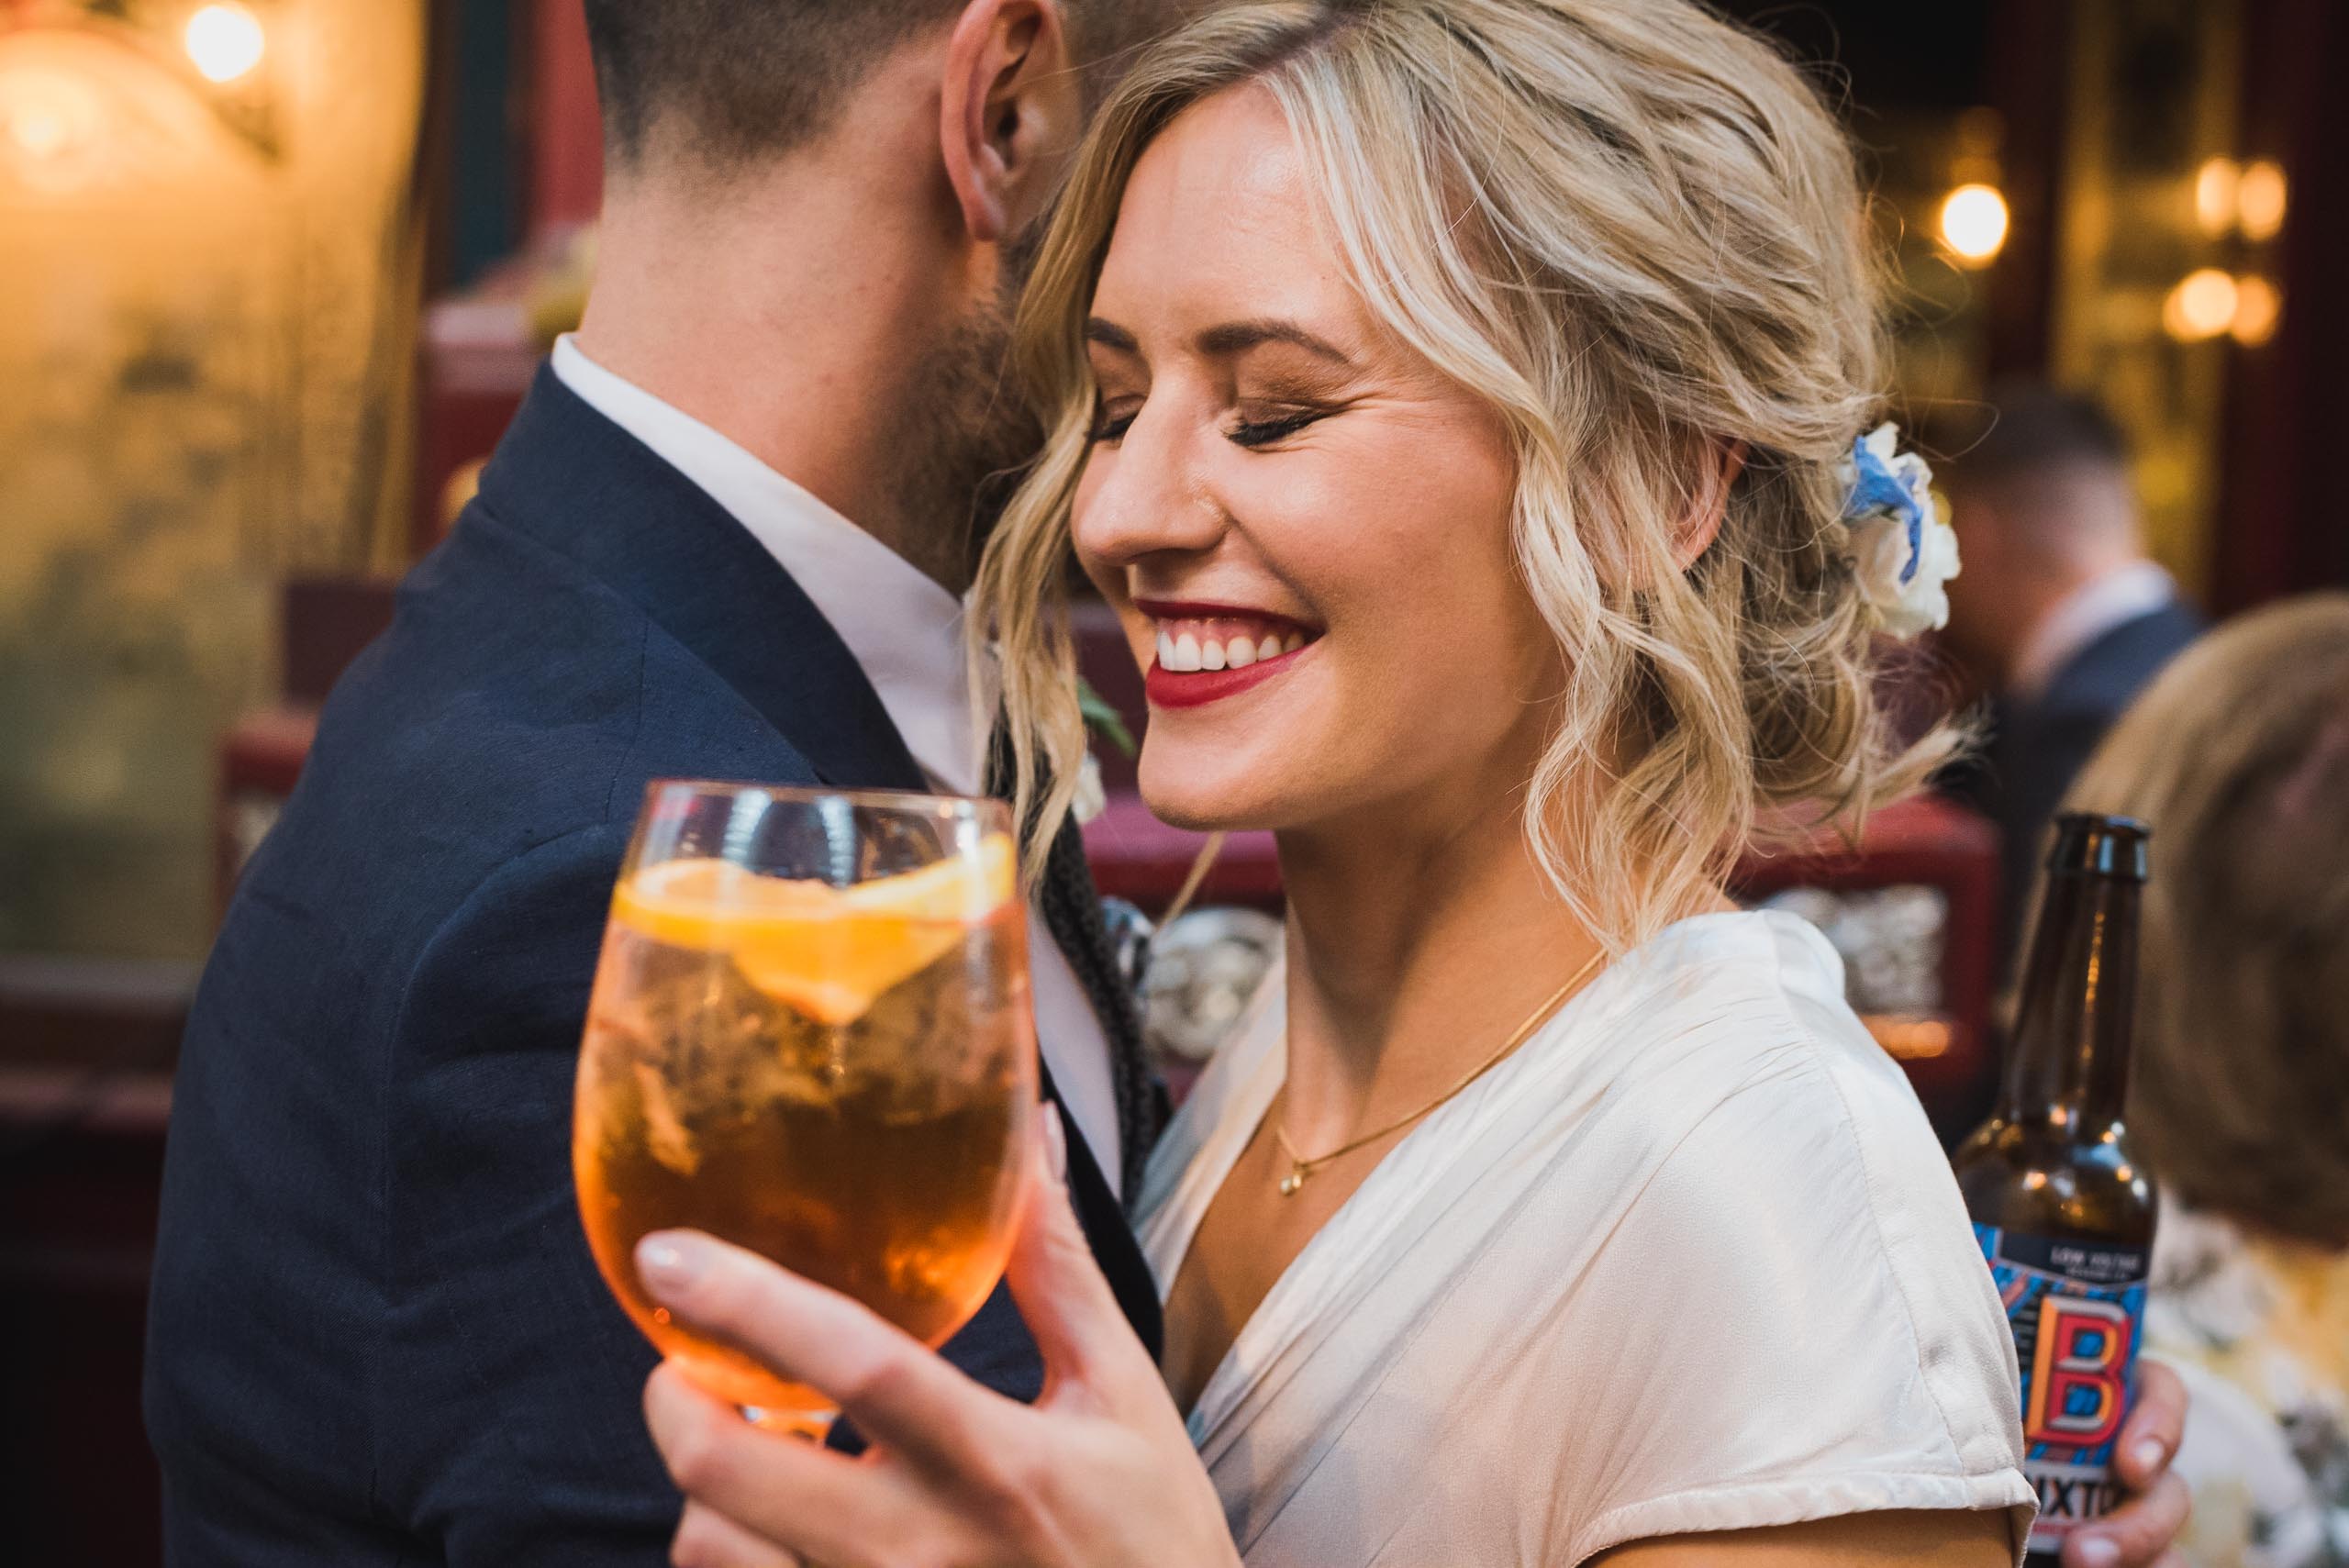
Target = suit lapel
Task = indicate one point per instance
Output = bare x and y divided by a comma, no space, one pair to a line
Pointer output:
580,485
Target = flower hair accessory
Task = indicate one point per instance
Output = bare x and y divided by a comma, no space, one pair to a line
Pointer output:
1903,551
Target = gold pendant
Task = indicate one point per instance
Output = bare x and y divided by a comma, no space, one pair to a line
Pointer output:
1294,1180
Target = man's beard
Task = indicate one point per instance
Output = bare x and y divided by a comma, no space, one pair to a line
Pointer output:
969,435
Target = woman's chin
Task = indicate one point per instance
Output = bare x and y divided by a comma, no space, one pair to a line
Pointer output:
1208,803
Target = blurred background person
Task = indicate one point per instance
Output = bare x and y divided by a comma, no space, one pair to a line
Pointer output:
2238,756
2060,615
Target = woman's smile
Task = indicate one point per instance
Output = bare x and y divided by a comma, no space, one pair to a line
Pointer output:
1206,653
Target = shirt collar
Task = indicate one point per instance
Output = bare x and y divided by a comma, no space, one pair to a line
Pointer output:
2087,613
902,627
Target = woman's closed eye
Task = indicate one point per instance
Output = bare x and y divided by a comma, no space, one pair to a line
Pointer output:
1277,425
1114,417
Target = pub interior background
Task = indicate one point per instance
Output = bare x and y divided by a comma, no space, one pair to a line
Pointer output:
275,273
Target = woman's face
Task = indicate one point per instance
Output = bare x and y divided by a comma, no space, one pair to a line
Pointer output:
1304,526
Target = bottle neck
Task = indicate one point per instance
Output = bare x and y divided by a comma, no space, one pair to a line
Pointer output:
2069,1062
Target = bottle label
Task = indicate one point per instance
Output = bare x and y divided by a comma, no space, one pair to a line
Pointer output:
2076,1309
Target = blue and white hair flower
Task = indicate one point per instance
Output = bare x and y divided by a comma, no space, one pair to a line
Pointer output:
1903,551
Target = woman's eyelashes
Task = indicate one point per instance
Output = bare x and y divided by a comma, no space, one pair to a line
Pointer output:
1111,421
1264,432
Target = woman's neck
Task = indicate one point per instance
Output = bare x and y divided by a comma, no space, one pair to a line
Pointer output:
1415,950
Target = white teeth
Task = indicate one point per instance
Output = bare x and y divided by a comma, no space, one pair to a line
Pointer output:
1188,653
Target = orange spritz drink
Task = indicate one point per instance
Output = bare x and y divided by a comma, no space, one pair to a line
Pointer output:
814,1043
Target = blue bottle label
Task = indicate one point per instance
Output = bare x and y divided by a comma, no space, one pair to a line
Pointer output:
2078,1311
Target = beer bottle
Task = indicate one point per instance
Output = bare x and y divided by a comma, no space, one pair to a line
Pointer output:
2064,1214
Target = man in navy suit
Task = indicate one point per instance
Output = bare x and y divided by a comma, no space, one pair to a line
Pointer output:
2059,612
725,539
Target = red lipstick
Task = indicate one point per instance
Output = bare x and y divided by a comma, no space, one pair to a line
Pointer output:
1196,688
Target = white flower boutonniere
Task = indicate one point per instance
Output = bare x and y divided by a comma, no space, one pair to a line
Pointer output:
1903,551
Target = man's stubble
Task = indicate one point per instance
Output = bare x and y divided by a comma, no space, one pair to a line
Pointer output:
969,434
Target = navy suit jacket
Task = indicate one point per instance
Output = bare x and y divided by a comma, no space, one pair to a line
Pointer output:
2039,746
376,1334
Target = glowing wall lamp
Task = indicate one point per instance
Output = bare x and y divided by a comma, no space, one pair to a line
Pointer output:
2209,304
1974,224
224,42
2201,306
2250,198
214,51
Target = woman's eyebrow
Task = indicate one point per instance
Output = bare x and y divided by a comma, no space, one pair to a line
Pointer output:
1239,336
1109,335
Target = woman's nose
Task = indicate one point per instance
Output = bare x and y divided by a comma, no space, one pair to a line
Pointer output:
1147,496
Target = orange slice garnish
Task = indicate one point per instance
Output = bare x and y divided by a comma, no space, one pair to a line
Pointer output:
831,952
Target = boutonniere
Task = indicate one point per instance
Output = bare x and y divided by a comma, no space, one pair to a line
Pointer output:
1101,719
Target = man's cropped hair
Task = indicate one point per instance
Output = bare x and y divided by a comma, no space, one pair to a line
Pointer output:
737,81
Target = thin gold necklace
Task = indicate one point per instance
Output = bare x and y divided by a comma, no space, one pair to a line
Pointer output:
1301,1168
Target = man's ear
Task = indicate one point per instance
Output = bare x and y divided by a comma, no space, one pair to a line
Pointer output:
1703,523
1010,113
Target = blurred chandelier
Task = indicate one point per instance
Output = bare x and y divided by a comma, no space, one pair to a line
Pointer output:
215,51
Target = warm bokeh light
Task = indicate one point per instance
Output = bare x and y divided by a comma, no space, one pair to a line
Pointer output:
2201,306
53,126
2218,187
2261,200
1974,222
38,129
1909,1038
2258,307
224,42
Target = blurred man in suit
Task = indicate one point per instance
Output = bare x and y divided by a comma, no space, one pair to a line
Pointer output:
2059,613
726,538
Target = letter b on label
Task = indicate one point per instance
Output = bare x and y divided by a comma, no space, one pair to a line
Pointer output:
2077,1374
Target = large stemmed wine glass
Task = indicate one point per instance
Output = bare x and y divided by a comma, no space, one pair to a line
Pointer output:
810,1035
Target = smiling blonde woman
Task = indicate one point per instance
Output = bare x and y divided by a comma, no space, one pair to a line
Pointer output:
1463,404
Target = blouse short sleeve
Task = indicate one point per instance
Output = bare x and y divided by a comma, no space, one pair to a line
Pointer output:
1799,1321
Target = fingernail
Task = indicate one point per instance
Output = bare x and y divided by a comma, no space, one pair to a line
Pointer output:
2150,1453
669,1262
1055,1144
2095,1551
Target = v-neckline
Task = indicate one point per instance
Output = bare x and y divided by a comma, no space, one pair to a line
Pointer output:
1234,1096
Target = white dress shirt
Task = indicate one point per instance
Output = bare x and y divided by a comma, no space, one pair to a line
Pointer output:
2087,613
906,631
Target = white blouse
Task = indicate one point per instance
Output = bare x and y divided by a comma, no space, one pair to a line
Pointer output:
1689,1260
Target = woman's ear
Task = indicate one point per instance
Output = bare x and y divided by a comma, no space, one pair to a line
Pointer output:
1703,523
1010,113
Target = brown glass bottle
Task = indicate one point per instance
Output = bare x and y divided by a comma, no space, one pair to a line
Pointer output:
2064,1211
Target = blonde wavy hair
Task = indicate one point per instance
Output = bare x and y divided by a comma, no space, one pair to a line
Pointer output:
2238,755
1635,229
